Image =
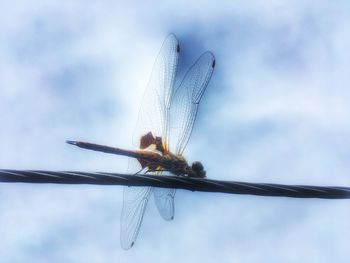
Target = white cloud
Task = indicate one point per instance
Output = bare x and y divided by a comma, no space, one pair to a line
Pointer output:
276,111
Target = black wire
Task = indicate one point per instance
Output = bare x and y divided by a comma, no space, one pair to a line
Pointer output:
193,184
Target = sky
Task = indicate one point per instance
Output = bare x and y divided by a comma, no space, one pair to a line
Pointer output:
276,111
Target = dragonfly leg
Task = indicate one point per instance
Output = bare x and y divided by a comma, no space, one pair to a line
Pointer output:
152,170
138,172
170,171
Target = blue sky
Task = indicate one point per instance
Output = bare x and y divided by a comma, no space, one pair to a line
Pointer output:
276,110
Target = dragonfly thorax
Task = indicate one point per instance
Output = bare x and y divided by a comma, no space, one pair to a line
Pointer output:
175,164
178,165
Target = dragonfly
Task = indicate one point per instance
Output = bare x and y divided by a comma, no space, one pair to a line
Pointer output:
165,122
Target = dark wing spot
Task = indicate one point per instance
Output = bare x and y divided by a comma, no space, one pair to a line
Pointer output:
146,140
213,65
178,48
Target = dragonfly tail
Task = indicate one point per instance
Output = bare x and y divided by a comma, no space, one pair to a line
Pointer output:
103,148
142,158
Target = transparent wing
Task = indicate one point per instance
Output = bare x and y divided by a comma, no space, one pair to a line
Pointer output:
134,206
185,101
164,199
154,111
153,115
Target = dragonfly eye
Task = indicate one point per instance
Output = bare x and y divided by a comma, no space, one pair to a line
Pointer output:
198,169
197,166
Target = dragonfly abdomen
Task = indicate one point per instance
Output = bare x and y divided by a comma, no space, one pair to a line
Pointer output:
145,155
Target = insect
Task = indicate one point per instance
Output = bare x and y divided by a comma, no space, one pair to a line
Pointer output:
165,123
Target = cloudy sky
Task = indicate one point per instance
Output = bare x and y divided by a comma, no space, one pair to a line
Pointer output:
277,110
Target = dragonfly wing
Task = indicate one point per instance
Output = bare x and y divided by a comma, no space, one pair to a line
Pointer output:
134,206
164,199
153,115
132,213
185,101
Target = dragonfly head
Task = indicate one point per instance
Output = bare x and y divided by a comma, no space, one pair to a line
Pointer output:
198,170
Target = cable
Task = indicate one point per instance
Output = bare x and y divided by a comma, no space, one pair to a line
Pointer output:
188,183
